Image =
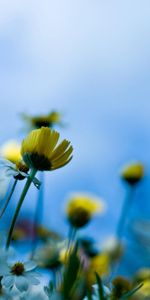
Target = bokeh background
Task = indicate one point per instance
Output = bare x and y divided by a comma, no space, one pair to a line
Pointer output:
91,61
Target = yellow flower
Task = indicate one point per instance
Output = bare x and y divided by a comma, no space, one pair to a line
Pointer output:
11,151
46,234
142,275
133,173
121,286
144,292
81,208
65,254
99,264
39,150
18,234
47,120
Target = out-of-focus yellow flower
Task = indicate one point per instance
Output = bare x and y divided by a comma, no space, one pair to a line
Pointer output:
47,120
65,254
18,234
46,234
81,207
11,151
39,150
142,275
133,173
121,286
144,292
99,264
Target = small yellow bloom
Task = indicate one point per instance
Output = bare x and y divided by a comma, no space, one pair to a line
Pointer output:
47,120
39,150
81,208
133,173
99,264
18,234
142,275
121,286
65,254
144,292
46,234
11,151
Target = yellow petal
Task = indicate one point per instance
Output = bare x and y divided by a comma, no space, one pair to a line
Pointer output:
29,144
63,158
53,141
43,141
61,165
60,149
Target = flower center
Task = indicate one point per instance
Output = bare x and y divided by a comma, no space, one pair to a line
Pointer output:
39,123
80,217
36,161
22,167
18,269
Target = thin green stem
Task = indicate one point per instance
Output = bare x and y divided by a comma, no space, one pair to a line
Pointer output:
8,199
38,214
71,239
125,210
24,192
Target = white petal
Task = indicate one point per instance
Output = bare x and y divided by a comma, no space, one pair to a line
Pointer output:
21,283
5,162
33,280
8,281
34,274
4,183
4,269
30,265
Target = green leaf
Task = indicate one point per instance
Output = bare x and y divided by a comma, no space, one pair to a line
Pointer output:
131,293
71,273
100,287
89,295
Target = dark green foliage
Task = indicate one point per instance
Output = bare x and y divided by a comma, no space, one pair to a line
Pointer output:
70,274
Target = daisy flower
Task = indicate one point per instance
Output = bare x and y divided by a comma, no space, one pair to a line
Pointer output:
47,120
132,173
39,150
81,207
19,275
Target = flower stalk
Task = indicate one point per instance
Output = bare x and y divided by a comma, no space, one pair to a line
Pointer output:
125,210
24,192
38,214
8,198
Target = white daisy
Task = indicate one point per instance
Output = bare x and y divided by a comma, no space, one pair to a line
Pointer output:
35,293
20,275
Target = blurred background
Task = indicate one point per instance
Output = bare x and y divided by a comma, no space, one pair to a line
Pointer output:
89,60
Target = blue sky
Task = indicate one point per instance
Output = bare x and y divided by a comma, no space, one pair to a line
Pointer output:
90,60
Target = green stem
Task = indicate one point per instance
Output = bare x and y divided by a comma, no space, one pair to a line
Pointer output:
125,210
24,192
8,199
71,238
38,214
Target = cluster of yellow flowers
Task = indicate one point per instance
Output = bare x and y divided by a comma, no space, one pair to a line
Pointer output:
41,151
